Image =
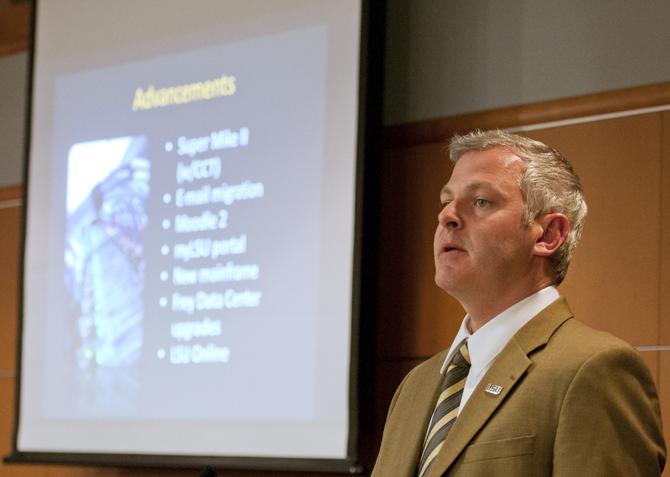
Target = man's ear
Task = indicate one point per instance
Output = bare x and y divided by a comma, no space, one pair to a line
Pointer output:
554,230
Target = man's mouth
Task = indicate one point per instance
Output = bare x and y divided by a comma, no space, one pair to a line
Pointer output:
451,248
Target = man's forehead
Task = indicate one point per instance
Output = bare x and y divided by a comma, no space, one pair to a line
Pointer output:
491,168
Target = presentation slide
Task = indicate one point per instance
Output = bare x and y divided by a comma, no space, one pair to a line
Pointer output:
193,244
189,250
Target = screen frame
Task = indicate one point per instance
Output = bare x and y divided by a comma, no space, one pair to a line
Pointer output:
363,304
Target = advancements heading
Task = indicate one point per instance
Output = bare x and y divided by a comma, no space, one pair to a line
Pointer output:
183,93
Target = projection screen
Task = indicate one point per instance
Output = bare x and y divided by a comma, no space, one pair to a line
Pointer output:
189,247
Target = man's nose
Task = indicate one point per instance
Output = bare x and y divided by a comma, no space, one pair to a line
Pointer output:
449,217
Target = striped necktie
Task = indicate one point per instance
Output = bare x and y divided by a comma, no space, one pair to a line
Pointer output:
446,408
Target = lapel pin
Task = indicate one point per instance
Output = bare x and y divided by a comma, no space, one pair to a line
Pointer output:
494,389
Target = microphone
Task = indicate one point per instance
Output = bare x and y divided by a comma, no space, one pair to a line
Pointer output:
207,472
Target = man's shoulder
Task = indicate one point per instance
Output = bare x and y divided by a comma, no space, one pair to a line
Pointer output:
575,343
577,335
557,329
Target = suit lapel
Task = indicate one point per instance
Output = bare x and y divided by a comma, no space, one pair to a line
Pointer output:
506,371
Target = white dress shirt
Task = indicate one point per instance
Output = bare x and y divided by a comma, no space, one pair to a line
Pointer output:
489,340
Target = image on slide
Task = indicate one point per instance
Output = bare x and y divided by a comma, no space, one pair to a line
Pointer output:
107,190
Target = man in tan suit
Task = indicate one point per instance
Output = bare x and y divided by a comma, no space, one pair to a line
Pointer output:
525,389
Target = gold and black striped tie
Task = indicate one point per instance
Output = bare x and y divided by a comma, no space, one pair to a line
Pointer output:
446,408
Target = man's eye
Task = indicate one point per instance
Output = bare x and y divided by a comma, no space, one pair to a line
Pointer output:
444,203
482,202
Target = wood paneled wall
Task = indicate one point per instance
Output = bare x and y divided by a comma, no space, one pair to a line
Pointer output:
14,26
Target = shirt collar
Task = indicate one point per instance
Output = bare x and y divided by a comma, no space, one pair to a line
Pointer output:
489,340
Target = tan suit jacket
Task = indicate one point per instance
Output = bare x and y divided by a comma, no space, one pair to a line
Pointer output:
574,402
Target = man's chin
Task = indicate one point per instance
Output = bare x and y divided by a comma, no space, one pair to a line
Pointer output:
447,283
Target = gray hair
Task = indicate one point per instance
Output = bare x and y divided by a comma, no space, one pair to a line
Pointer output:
548,184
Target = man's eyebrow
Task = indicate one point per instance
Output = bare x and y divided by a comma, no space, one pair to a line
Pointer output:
469,188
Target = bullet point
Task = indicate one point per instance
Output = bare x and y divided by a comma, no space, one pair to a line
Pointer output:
164,275
161,353
167,198
165,249
166,224
168,146
163,301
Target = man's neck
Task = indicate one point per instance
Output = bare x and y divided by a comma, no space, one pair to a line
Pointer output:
487,307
